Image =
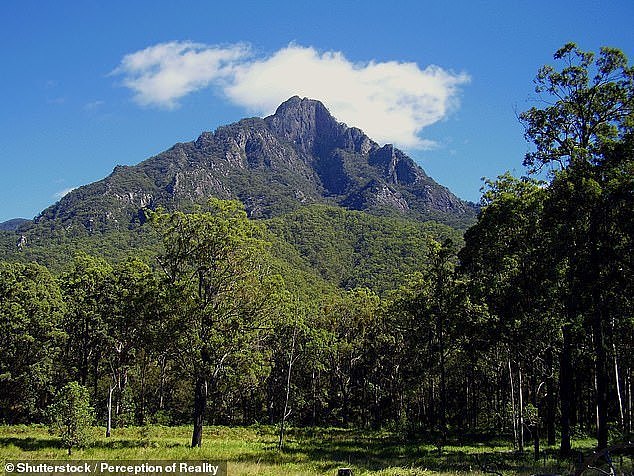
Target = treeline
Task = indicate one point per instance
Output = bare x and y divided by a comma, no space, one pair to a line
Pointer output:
528,331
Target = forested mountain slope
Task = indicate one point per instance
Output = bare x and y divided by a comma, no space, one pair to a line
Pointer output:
315,246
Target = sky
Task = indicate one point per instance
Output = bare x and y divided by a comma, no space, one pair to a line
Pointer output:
86,85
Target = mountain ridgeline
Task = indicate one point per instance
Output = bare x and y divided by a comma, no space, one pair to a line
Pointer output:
298,156
341,210
12,225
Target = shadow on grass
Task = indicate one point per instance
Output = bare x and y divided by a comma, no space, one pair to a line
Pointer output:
331,448
39,444
375,454
325,449
117,444
30,443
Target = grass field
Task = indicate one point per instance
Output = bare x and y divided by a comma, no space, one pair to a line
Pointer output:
253,450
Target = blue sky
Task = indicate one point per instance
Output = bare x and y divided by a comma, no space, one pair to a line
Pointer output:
73,106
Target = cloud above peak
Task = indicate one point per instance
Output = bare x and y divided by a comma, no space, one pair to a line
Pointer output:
391,101
161,74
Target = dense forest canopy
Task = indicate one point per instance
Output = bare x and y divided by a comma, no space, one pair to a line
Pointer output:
325,316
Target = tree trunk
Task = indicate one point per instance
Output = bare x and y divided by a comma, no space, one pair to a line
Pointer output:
466,416
535,423
109,422
536,441
550,399
443,378
629,401
628,384
521,410
163,363
285,412
513,412
345,408
200,403
565,390
618,388
95,374
314,406
141,412
83,368
432,403
600,311
601,368
602,381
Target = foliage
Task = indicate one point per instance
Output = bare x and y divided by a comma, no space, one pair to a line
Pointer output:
327,316
72,416
552,260
218,292
31,309
588,104
87,288
355,250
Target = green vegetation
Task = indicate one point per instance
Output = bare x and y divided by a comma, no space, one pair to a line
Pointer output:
72,416
218,298
32,309
354,250
315,246
309,451
405,334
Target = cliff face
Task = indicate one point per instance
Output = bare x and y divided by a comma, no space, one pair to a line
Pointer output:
299,155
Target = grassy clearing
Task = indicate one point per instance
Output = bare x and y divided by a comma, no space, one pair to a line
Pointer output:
253,451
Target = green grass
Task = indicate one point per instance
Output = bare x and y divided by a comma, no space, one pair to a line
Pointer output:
253,450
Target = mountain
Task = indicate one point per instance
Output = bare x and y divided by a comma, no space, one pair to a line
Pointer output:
352,249
13,224
300,155
341,210
315,248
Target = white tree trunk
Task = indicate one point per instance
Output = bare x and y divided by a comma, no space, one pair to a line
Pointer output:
618,387
521,410
109,422
513,413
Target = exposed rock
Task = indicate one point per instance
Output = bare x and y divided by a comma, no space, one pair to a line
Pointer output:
22,242
299,155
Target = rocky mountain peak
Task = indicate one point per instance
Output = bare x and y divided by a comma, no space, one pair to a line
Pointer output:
307,124
299,155
295,113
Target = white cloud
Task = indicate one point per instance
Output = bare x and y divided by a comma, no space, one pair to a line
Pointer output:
391,101
163,73
64,192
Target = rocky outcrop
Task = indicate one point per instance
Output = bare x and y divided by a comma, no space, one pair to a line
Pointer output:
299,155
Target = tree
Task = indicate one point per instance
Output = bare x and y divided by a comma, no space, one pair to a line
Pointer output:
292,358
72,416
588,110
441,272
31,309
348,319
504,258
586,105
87,290
132,315
216,285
